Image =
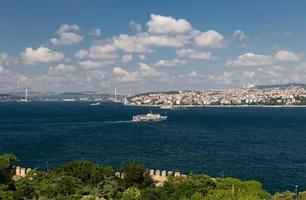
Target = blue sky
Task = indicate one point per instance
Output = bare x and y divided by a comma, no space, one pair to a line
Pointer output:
140,46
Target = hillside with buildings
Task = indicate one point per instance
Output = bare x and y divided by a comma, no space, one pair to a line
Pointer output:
289,95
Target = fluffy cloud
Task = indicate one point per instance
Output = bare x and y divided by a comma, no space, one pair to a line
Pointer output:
284,55
195,54
127,58
122,75
95,32
11,81
248,75
135,26
211,39
142,42
41,55
251,59
98,52
81,54
89,64
169,63
165,25
120,71
1,69
4,59
147,71
61,69
67,35
142,57
240,35
106,51
144,72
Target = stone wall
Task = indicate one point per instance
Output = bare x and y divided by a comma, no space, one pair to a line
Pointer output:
20,172
157,175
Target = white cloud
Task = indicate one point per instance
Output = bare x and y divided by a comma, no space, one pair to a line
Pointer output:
1,69
240,35
11,81
4,59
41,55
95,32
169,63
67,35
81,54
135,26
142,42
248,75
211,39
284,55
120,71
147,71
106,51
251,59
89,64
127,58
122,75
144,73
193,73
225,78
142,57
98,52
195,54
164,25
61,69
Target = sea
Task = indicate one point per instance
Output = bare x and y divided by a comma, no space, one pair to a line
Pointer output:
251,143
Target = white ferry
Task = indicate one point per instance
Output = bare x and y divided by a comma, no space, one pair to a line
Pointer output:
95,104
149,117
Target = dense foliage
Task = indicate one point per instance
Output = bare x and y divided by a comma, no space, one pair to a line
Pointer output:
83,180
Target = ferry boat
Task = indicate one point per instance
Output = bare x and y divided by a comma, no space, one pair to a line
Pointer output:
95,104
149,117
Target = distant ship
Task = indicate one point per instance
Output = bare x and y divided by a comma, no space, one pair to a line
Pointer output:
95,104
149,117
68,99
25,100
167,107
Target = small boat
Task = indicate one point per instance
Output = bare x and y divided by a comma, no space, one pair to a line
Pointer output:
149,117
95,104
166,107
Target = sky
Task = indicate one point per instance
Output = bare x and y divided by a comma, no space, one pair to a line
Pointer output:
144,45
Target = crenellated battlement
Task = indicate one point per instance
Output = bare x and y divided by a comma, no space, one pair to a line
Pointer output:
20,172
157,175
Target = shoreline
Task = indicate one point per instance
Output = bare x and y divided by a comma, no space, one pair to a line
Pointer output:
221,106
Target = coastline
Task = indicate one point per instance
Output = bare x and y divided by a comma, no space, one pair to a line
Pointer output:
220,106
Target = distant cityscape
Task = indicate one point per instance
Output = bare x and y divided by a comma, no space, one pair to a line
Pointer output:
291,94
284,95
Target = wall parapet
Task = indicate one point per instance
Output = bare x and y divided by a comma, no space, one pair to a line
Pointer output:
157,175
20,172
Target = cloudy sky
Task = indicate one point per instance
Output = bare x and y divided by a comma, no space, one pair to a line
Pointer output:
140,46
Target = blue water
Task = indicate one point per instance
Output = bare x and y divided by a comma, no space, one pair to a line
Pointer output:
265,144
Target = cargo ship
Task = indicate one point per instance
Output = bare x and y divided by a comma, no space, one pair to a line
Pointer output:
149,117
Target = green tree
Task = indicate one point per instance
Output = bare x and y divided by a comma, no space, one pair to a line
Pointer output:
135,175
131,194
283,196
86,171
108,188
7,161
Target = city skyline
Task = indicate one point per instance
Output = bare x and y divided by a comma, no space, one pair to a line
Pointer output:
142,46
